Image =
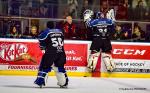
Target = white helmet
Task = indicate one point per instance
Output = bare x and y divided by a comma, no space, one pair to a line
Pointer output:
88,14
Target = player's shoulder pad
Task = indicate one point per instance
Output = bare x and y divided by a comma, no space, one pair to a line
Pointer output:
55,30
48,31
106,21
109,21
103,21
94,22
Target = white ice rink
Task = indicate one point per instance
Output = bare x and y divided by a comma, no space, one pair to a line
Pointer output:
24,84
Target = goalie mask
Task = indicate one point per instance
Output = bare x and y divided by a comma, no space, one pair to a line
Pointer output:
88,14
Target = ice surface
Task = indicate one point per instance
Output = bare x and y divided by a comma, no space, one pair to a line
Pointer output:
24,84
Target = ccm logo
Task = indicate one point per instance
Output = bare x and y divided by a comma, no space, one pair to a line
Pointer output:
128,52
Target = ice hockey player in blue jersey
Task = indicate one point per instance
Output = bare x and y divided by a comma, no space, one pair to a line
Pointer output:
52,44
100,28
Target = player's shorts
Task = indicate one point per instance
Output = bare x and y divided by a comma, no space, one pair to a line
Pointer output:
101,44
58,59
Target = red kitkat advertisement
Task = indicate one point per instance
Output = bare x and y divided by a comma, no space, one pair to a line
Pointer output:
10,51
29,53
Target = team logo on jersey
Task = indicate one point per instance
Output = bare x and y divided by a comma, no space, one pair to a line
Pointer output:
9,52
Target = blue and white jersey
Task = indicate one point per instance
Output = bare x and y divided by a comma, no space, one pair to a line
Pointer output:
101,27
52,40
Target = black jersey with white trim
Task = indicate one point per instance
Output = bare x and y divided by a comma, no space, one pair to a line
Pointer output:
52,40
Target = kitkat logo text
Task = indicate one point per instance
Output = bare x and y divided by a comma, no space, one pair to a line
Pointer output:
10,52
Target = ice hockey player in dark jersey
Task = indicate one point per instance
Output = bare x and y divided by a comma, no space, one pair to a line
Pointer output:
100,28
52,44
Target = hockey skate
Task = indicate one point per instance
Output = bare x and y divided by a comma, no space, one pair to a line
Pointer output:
62,86
40,82
110,68
90,69
65,85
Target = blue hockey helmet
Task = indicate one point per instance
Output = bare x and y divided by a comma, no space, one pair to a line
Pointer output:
99,15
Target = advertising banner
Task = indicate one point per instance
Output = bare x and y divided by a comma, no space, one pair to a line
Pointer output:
27,55
20,54
134,58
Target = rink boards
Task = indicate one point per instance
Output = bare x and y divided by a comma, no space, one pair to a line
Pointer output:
131,59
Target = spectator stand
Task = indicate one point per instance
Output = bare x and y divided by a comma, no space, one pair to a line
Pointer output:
26,23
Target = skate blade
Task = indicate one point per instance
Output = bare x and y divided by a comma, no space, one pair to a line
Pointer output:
90,69
63,86
40,86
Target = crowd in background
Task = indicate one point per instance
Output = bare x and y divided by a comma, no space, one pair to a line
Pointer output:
125,10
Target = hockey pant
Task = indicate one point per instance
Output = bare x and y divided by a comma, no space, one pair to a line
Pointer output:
107,59
61,76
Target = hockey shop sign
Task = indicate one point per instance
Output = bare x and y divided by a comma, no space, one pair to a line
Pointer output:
132,58
26,55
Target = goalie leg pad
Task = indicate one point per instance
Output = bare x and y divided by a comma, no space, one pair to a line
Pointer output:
107,59
42,77
61,76
92,62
